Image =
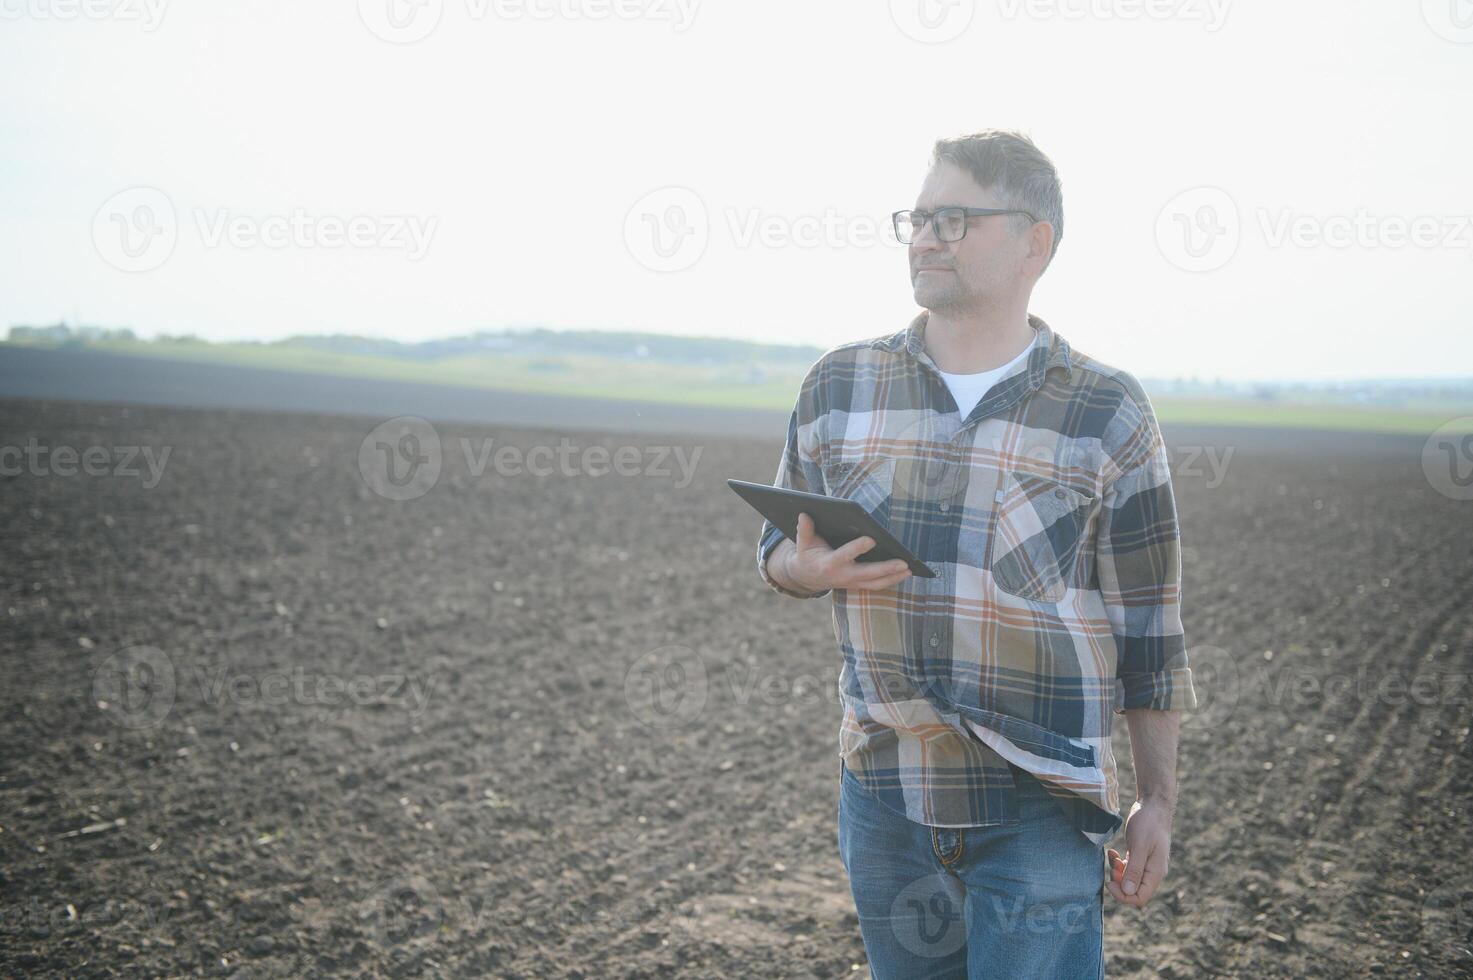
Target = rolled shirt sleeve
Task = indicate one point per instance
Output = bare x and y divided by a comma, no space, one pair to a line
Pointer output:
1138,559
798,470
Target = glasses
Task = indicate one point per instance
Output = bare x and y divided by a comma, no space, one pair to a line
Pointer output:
950,224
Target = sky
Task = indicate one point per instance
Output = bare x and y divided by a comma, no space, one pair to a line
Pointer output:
1252,190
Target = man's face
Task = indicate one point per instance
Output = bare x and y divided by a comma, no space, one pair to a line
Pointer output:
986,267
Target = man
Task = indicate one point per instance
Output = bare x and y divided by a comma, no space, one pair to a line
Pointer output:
978,788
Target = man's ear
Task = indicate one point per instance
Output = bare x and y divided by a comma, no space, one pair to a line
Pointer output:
1040,244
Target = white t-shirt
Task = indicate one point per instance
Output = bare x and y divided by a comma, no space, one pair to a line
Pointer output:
969,389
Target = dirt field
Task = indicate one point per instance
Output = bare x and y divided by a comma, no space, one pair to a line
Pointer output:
555,726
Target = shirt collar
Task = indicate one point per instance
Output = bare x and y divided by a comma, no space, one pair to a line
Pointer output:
911,340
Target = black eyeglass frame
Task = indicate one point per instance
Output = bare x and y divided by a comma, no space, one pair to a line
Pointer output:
931,216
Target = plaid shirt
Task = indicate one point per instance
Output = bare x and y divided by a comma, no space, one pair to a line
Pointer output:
1049,518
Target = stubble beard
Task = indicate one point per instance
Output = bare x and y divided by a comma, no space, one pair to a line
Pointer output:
940,296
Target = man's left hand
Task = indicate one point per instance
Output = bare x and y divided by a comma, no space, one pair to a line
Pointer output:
1135,877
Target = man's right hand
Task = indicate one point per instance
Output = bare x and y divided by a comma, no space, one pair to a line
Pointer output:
812,566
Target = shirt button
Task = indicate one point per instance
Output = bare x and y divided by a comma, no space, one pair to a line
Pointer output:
1059,494
935,640
945,508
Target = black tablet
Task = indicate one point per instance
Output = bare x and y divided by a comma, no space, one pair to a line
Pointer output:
835,519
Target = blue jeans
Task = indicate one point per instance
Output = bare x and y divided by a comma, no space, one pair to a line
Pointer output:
1013,900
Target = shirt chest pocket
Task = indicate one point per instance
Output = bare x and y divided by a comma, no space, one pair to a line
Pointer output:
1039,530
867,481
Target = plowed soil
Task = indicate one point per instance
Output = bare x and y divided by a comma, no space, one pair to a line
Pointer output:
259,719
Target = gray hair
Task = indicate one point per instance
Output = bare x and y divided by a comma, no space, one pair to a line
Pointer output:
1008,163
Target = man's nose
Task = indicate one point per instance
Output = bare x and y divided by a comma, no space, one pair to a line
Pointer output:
923,248
924,239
